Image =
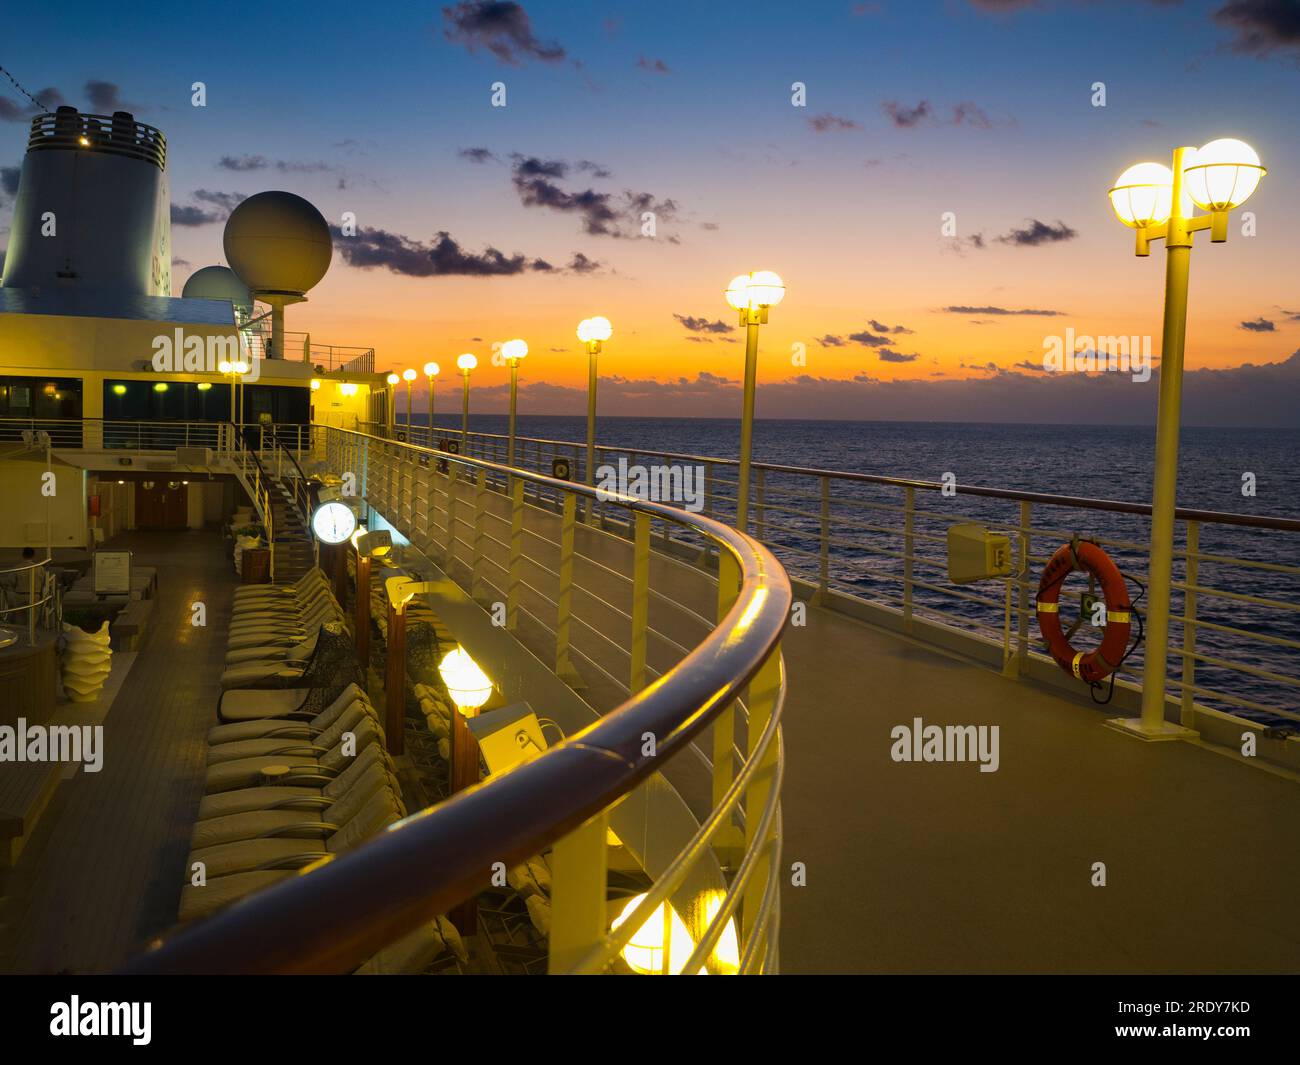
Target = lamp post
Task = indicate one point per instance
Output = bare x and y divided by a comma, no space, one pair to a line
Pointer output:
469,688
465,363
1156,201
514,352
431,371
392,380
408,375
751,294
593,332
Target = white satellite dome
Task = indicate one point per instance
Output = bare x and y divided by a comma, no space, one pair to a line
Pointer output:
218,283
277,242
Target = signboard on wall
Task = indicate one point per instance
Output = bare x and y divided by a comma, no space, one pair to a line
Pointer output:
112,572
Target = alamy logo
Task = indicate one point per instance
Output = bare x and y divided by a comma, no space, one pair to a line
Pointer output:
680,485
202,353
1085,354
132,1019
946,743
53,743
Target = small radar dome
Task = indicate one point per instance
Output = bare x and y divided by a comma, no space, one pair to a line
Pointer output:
219,283
278,242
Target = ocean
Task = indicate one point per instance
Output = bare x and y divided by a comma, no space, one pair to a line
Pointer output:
1095,462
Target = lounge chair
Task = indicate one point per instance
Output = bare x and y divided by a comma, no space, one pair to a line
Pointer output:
298,755
306,790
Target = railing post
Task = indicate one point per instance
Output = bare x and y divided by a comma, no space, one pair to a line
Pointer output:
515,570
480,529
760,494
909,519
564,597
764,691
640,597
1187,708
824,546
1022,602
395,681
578,887
727,842
31,606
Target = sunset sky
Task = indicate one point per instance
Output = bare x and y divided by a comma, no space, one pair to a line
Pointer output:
977,107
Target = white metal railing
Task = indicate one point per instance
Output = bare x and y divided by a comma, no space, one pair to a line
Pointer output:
41,601
725,682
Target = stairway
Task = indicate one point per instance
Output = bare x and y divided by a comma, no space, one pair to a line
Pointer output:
293,551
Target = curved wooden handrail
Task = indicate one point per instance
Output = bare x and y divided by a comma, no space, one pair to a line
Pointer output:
420,868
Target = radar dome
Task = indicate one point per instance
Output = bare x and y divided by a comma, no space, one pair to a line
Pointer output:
278,242
218,283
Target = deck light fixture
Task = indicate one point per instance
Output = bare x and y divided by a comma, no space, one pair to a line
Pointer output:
315,384
467,684
593,332
1157,202
661,946
465,363
513,351
205,386
751,295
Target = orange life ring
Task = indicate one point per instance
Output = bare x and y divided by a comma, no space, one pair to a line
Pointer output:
1086,556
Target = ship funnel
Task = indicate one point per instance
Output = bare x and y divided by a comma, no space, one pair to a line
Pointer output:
93,209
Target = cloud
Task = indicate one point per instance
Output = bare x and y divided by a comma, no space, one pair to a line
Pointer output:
827,122
105,98
1003,5
703,325
831,341
9,176
1036,233
601,213
880,327
960,309
1259,325
442,257
477,155
655,66
502,28
964,113
870,340
904,117
217,209
580,264
16,112
897,356
243,162
1262,27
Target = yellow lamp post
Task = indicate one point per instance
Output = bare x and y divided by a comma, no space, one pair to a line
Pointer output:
465,363
431,370
391,413
593,332
1156,201
408,375
513,351
751,294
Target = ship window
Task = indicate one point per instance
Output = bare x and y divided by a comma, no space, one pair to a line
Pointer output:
41,403
178,401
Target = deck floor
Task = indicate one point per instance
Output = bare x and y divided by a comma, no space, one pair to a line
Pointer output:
103,871
937,867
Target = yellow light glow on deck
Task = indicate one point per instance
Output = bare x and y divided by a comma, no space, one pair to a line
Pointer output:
467,684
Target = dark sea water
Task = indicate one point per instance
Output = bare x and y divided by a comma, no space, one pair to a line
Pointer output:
1112,463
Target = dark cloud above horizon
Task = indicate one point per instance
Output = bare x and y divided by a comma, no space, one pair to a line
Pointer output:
212,207
924,113
443,257
654,66
1259,325
602,214
961,309
1036,233
1253,394
1262,27
101,97
500,27
246,163
828,123
703,325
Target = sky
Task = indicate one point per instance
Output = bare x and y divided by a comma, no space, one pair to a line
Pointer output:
476,223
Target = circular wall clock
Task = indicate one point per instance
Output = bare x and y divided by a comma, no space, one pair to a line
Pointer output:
333,522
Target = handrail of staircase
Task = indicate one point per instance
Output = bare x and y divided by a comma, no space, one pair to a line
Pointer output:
260,492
